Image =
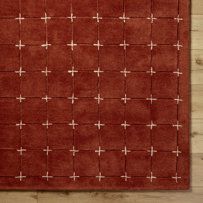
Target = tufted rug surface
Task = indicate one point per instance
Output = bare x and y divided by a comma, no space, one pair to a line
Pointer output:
94,94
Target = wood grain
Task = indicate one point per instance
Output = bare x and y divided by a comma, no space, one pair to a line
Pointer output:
195,195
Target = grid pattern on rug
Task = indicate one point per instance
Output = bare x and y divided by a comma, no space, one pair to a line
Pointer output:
93,94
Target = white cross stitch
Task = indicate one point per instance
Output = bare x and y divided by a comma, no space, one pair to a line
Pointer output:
73,124
99,124
100,176
126,177
45,18
98,45
151,99
178,100
124,18
46,71
97,18
151,71
176,177
125,99
20,177
21,124
72,17
20,45
178,45
177,151
47,124
178,19
72,71
178,72
46,98
151,125
152,45
98,98
20,98
20,18
177,125
126,151
47,176
151,18
74,176
151,177
73,98
47,150
152,151
73,150
124,45
20,71
98,71
21,150
72,45
125,125
46,45
99,151
125,72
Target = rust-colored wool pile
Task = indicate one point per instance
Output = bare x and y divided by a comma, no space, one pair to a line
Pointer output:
94,94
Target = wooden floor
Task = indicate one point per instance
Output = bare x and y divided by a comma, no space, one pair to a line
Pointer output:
195,195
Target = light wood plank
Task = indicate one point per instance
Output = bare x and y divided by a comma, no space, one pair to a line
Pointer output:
197,136
197,59
197,32
197,39
195,195
196,170
18,197
197,23
196,77
197,101
197,7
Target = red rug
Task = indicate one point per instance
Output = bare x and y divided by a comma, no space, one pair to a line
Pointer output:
94,94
